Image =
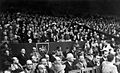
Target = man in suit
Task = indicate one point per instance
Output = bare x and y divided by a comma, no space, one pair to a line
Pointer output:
69,62
22,57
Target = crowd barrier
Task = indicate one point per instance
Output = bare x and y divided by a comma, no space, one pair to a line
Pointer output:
87,70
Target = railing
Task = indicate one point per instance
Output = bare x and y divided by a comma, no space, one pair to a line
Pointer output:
87,70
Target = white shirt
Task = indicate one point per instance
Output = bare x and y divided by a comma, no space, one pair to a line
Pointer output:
108,67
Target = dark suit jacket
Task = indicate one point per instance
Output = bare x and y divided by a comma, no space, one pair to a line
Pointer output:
68,67
22,59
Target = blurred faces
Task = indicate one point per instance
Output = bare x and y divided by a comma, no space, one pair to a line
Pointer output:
29,64
23,51
91,51
15,60
118,51
44,61
6,38
81,58
58,60
34,49
34,59
47,57
97,59
7,52
105,53
41,68
70,57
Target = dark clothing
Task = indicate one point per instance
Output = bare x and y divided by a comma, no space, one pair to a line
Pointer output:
101,60
22,59
6,62
90,63
68,67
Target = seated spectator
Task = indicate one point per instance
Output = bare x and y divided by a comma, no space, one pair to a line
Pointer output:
81,63
16,65
89,58
57,66
96,60
7,60
49,64
41,69
35,61
107,66
29,67
117,59
59,52
69,63
104,57
6,40
67,50
35,53
43,61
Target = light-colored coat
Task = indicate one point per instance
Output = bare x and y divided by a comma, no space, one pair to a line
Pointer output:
108,67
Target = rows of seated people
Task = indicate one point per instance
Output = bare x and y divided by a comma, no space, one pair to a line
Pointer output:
103,55
33,28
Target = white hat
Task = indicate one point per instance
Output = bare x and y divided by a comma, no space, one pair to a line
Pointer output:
70,55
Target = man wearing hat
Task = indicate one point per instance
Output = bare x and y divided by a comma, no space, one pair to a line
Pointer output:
69,63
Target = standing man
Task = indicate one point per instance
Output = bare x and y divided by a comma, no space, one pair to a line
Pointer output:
22,57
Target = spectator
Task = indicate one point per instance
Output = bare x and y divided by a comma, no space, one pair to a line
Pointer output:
82,62
35,61
41,69
104,57
67,50
7,60
49,64
107,66
22,57
16,65
43,61
58,67
59,52
29,67
96,60
69,62
35,53
89,58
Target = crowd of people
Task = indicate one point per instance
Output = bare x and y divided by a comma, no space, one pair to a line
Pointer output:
99,50
102,55
33,28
